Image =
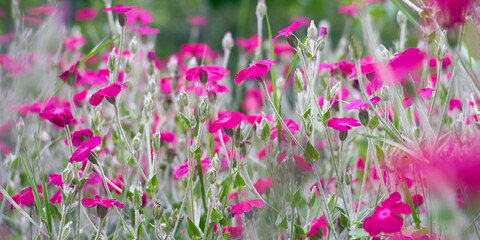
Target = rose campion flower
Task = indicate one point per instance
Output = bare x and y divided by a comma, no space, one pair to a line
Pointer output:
82,153
349,10
417,200
55,179
287,31
385,217
317,224
343,124
79,136
105,202
262,184
109,92
236,232
425,93
73,42
146,30
86,14
140,16
214,73
59,117
72,71
300,162
254,71
182,169
246,206
358,103
249,44
120,8
80,97
25,197
198,20
454,103
229,121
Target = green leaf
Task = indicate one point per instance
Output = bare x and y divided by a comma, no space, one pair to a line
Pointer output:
283,224
326,117
358,233
307,112
239,182
193,231
153,183
344,221
101,45
373,123
310,154
297,198
299,231
216,215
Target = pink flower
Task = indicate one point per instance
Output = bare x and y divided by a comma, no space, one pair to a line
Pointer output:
287,31
85,148
282,49
146,30
407,101
402,64
385,217
47,10
79,136
234,195
86,14
98,77
235,232
72,70
120,8
198,20
425,92
55,179
417,200
432,63
256,70
166,85
454,103
110,91
249,44
197,50
214,73
292,126
349,10
343,124
25,197
59,117
167,136
257,118
451,12
230,120
80,97
262,184
72,43
253,101
7,37
106,202
300,162
182,169
358,103
141,16
49,105
56,198
246,206
211,88
317,224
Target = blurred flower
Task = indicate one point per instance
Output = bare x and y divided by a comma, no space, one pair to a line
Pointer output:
110,91
316,224
49,105
55,179
72,70
292,126
249,44
425,92
253,101
80,97
47,10
88,13
182,169
197,50
59,117
198,20
300,162
256,70
385,217
234,195
211,88
262,184
349,10
281,49
246,206
105,202
451,12
229,120
146,30
140,16
343,124
120,8
215,73
287,31
79,136
36,21
417,200
85,148
99,77
358,103
56,198
454,103
25,197
72,43
236,232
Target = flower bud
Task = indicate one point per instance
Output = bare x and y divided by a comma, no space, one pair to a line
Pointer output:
212,175
183,96
227,42
128,67
292,40
215,162
299,82
102,211
203,76
441,50
172,65
401,19
68,193
136,141
312,31
137,197
363,116
122,19
173,217
355,48
92,157
385,93
67,174
348,176
238,136
112,61
66,231
148,103
151,68
157,210
261,9
133,46
157,137
203,110
308,125
343,135
20,126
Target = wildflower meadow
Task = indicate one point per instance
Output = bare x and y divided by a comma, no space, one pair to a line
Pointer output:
266,119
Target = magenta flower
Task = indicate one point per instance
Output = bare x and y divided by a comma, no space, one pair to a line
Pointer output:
451,12
282,49
287,31
106,202
262,184
385,217
99,77
86,14
417,200
59,117
358,103
120,8
425,92
140,16
167,136
165,85
253,101
110,91
256,70
454,103
402,64
198,20
57,197
211,88
72,70
25,197
349,10
343,124
316,224
300,162
146,30
55,179
80,97
197,50
85,148
292,125
79,136
236,232
73,42
246,206
229,120
215,73
182,169
249,44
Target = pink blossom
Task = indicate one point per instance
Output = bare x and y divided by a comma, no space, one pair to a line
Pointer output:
4,148
106,202
358,103
85,148
235,232
141,16
211,88
425,92
451,12
257,118
246,206
167,136
55,179
432,63
110,91
57,197
146,30
316,224
288,30
385,217
360,163
234,195
197,50
454,103
215,73
120,8
47,10
166,85
402,64
182,169
88,13
256,70
49,105
71,71
282,49
253,101
73,42
417,200
262,184
198,20
300,162
230,120
349,10
92,78
7,37
59,117
25,197
343,124
79,136
292,126
80,97
249,44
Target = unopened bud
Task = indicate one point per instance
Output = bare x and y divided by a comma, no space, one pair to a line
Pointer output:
148,103
292,40
128,67
212,176
102,211
68,193
363,116
173,217
299,82
308,125
183,96
261,9
215,162
343,135
355,48
203,110
227,42
92,157
66,231
137,197
238,136
348,176
157,210
112,61
383,52
172,65
157,137
136,141
20,126
67,174
122,19
312,31
441,50
203,76
385,93
401,19
151,68
133,46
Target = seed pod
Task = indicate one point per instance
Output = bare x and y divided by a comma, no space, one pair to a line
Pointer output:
203,76
312,31
215,162
157,210
348,176
67,174
203,110
136,141
183,96
102,211
122,19
363,116
133,46
112,61
343,135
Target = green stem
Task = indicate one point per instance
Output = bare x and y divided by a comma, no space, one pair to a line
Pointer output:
439,72
62,222
99,230
120,49
326,211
